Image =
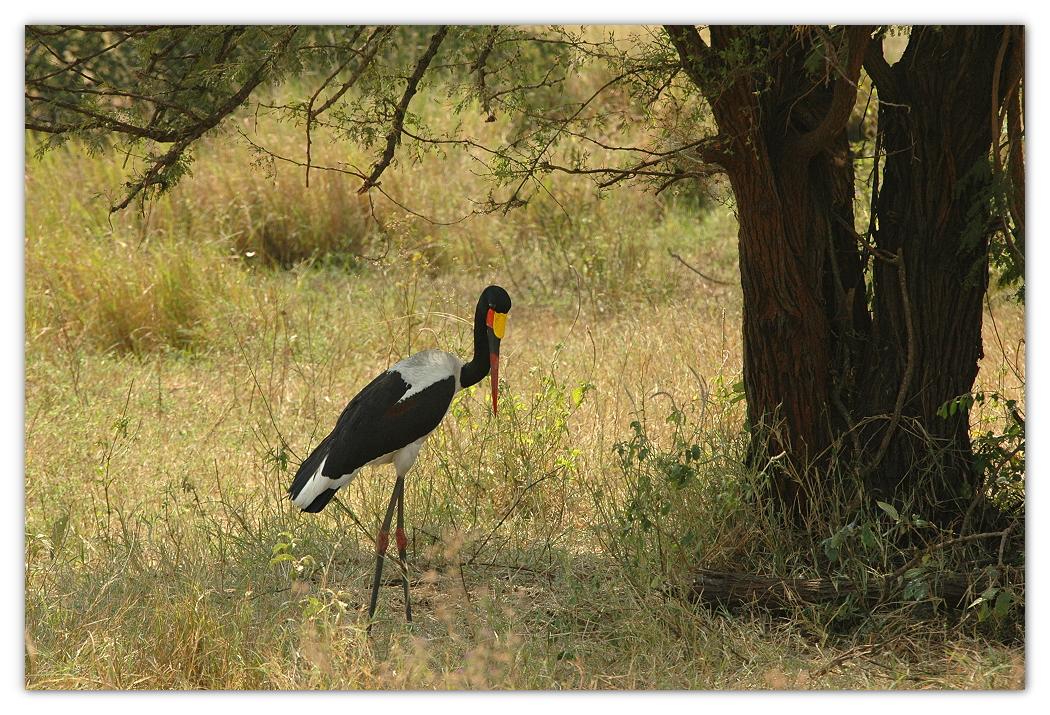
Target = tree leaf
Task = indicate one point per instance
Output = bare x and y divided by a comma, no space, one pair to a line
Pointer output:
889,510
1003,602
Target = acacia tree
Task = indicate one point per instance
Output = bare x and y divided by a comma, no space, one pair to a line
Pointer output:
854,336
852,344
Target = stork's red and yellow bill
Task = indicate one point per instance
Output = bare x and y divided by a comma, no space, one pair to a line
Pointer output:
497,325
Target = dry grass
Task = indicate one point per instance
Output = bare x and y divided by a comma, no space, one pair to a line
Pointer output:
173,382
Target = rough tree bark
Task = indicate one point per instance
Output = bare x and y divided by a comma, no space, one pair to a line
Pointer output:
935,118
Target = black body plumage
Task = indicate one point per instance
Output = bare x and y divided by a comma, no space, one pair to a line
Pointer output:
373,425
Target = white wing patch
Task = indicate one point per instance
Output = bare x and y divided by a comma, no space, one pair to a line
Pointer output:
423,369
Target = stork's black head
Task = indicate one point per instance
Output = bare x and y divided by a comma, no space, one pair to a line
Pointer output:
497,299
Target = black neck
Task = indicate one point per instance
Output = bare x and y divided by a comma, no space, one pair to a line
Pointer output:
476,370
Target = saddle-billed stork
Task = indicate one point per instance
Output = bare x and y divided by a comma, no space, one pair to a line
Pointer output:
390,419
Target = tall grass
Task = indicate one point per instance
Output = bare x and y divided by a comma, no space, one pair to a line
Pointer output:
182,358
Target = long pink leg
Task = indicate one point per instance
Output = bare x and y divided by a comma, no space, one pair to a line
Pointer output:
402,545
382,541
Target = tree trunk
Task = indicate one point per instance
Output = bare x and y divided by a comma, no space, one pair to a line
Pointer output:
832,381
787,157
935,118
720,588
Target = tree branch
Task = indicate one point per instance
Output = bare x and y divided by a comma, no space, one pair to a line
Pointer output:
706,278
1015,134
366,60
857,38
997,118
879,69
157,101
153,176
888,580
72,65
902,393
693,52
394,137
898,261
106,121
479,68
536,161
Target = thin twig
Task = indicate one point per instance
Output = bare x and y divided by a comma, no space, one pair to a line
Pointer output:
366,60
835,662
153,176
510,511
940,547
1002,544
505,566
705,277
902,393
898,261
564,124
258,385
844,303
479,68
353,518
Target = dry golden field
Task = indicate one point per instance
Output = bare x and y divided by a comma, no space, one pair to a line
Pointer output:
181,359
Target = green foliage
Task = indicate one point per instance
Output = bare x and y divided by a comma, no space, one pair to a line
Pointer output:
678,478
156,91
671,475
995,601
286,550
161,88
998,454
989,219
871,545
